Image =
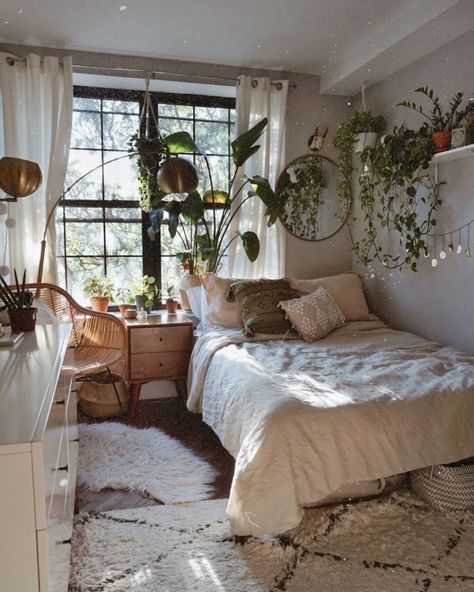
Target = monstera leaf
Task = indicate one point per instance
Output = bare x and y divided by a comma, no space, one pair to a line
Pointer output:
243,147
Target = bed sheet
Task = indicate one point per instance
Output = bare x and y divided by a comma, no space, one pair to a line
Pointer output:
303,419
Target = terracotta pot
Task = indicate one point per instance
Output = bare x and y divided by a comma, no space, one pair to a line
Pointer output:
99,303
441,140
123,308
172,306
23,319
188,281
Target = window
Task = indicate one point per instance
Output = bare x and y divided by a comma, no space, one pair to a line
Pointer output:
100,226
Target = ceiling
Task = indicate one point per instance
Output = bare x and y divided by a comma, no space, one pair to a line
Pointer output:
348,43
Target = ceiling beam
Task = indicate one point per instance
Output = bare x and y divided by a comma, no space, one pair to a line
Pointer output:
426,26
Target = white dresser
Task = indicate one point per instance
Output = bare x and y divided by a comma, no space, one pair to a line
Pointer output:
38,461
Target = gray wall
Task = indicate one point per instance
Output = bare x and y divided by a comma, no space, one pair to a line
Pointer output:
436,303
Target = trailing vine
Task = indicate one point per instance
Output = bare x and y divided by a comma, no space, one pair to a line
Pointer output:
151,154
395,189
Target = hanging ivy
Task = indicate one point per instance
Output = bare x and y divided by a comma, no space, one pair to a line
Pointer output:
151,153
397,194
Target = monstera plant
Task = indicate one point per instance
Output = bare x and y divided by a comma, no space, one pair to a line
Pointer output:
202,222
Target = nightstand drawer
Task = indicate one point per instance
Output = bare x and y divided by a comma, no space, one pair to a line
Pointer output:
160,339
154,366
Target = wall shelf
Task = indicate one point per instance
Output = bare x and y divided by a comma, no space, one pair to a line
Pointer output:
454,154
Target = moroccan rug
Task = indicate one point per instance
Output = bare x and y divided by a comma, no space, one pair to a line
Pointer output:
390,544
118,456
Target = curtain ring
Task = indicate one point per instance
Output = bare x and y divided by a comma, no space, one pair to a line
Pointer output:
278,85
254,83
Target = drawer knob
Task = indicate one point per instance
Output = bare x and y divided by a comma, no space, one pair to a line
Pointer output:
66,542
60,402
63,468
161,338
161,364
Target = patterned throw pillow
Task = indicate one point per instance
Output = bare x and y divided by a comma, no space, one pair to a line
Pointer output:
259,300
315,315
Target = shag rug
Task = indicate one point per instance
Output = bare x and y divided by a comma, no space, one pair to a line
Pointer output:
390,544
118,456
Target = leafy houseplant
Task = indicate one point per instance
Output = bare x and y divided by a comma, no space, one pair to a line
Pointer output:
19,304
439,121
124,299
99,290
205,239
145,291
346,136
171,303
397,193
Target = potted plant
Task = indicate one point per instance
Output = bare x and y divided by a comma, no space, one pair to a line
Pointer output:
206,242
171,302
19,305
145,292
397,194
124,299
99,290
348,133
439,121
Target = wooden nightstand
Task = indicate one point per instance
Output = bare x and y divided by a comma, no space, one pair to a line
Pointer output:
158,349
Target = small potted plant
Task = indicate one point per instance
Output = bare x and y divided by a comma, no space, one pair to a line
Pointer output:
19,305
124,299
145,292
171,302
99,290
440,122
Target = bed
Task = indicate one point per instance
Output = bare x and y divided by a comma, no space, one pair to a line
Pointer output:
303,419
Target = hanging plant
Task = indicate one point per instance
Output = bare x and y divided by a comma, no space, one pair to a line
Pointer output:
359,122
151,153
397,194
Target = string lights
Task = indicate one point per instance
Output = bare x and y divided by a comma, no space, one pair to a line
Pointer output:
459,243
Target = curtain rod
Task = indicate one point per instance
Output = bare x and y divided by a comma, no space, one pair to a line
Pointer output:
151,73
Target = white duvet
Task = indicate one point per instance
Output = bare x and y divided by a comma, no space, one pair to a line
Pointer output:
303,419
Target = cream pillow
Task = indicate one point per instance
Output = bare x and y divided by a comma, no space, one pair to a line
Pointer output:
315,315
346,289
219,311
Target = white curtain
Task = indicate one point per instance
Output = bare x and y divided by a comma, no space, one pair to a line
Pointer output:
37,95
258,98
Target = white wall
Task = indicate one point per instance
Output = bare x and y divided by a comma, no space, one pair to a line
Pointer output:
434,302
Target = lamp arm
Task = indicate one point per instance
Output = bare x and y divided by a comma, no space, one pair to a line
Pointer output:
63,194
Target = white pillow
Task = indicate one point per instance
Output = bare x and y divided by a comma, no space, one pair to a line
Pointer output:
195,297
314,315
219,310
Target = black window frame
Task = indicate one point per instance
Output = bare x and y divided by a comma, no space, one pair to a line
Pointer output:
151,251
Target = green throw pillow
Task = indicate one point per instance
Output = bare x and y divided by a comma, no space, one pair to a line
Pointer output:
259,301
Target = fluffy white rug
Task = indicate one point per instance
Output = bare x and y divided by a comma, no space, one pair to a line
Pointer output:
391,544
122,457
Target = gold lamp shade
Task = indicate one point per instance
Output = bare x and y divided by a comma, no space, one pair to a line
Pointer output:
178,175
18,177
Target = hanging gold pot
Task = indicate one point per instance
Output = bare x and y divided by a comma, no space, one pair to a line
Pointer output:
178,175
18,177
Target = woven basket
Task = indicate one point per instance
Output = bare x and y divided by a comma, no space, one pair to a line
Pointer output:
446,487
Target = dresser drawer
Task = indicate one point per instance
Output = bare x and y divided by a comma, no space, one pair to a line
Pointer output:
160,339
161,365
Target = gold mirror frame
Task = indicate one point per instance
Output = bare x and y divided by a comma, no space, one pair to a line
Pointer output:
312,198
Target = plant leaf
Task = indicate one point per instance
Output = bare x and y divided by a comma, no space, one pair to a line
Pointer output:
251,244
180,142
243,146
275,204
193,208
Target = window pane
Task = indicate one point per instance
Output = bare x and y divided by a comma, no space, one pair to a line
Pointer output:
80,163
121,214
212,137
118,129
85,239
212,113
121,106
78,269
219,166
123,270
174,111
86,104
123,238
85,130
171,272
170,126
120,177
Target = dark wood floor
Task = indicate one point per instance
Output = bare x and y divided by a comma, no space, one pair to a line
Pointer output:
171,416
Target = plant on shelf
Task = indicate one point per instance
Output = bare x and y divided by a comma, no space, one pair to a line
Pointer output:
100,292
124,299
397,194
171,302
344,140
203,222
18,301
440,122
145,291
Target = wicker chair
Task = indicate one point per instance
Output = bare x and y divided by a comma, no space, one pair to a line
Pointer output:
98,339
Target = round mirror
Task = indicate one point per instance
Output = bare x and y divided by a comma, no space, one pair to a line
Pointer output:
313,208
